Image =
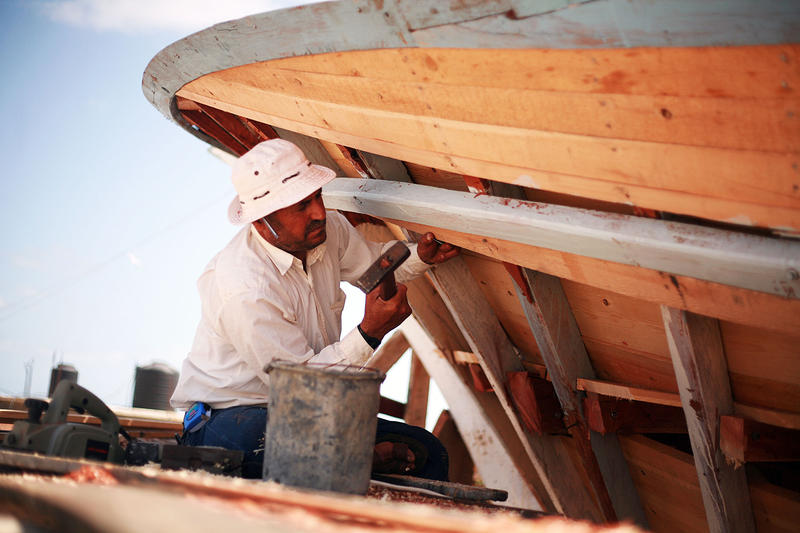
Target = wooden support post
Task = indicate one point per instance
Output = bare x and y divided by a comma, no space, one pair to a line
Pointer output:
550,317
462,469
481,424
391,407
489,342
536,402
418,386
614,415
743,440
388,352
701,371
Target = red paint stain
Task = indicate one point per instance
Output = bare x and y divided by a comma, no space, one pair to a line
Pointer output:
617,81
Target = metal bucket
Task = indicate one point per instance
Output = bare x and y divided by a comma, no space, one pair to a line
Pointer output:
321,426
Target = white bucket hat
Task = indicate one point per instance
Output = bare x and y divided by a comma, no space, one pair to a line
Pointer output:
274,174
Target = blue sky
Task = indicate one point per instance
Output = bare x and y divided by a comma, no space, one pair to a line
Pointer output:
109,211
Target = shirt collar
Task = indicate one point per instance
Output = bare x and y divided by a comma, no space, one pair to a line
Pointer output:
283,259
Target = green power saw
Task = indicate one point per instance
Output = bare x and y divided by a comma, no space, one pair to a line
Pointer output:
52,434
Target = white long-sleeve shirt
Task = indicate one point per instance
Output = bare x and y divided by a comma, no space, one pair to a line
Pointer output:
258,304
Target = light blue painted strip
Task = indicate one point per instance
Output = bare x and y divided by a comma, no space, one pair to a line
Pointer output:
757,263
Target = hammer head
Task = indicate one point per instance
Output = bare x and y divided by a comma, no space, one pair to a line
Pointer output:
385,265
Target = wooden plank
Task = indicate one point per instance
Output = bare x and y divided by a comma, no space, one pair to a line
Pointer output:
462,469
743,440
650,174
207,125
750,123
704,387
391,407
418,385
490,344
613,415
139,424
239,129
536,402
498,464
668,483
734,72
561,346
388,353
617,390
732,258
769,416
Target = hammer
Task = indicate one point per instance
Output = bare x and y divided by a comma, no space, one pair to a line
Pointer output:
381,272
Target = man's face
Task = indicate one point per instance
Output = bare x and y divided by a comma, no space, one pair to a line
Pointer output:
301,226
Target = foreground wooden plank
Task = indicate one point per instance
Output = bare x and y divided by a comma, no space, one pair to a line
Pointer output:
704,386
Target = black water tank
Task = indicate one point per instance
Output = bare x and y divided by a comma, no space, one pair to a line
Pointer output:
59,373
154,385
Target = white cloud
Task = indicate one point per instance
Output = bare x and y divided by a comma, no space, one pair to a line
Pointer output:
135,261
2,302
132,16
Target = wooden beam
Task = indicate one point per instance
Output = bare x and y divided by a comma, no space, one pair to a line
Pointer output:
743,440
535,400
701,370
391,407
209,127
617,390
773,417
498,464
614,415
418,385
497,357
732,258
462,469
388,353
560,343
238,129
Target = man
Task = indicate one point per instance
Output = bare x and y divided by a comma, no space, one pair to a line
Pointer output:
273,293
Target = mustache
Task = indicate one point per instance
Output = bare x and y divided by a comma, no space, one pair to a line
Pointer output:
315,226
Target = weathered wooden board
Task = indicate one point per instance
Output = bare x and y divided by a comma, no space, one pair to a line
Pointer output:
704,387
736,259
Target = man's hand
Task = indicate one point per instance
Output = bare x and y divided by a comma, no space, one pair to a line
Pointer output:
433,251
382,316
392,458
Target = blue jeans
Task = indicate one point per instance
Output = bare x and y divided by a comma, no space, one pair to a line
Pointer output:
243,427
